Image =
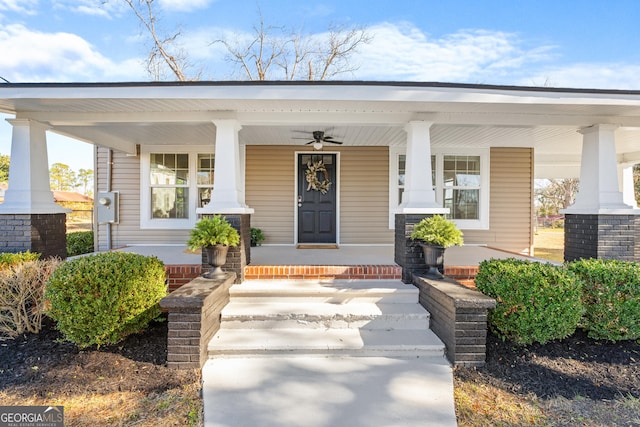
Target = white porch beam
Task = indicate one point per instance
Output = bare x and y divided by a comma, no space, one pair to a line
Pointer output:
599,191
226,197
29,189
419,196
357,114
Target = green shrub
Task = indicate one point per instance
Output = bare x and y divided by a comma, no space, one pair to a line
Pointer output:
22,287
436,230
611,297
211,231
80,242
536,302
100,299
8,259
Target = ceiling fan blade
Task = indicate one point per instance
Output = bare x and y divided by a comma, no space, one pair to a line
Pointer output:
310,142
334,142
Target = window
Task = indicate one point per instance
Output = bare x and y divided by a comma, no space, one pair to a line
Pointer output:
169,179
460,182
175,181
205,178
461,186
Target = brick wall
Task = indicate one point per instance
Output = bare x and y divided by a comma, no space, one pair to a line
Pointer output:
42,233
602,236
178,275
458,318
194,318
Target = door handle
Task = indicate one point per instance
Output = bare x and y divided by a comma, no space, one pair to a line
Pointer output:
299,201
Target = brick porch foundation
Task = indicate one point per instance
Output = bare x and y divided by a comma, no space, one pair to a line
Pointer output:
178,275
391,272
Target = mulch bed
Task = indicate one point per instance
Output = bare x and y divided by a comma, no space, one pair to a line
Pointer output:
44,364
571,367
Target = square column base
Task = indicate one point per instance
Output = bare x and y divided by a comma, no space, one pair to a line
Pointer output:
408,254
603,236
45,234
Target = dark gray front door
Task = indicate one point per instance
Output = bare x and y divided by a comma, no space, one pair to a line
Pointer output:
317,198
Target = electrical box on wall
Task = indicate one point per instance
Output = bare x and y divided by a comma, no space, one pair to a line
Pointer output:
107,207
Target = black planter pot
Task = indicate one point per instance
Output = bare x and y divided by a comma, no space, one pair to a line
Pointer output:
216,257
434,258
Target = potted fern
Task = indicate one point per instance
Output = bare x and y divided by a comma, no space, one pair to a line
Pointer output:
257,236
215,235
435,234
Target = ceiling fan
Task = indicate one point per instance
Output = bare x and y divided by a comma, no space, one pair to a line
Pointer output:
319,137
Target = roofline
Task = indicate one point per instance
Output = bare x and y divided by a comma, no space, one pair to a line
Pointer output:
376,83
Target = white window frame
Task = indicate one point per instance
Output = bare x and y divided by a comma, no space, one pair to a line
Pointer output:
146,221
482,223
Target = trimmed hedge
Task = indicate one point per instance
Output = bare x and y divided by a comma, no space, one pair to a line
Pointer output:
8,259
536,302
101,299
79,242
612,298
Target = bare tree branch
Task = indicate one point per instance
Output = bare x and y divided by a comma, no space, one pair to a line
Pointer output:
274,54
557,194
159,54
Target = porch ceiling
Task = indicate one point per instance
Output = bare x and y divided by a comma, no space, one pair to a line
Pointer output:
358,113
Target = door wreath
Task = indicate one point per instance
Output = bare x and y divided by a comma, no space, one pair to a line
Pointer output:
311,175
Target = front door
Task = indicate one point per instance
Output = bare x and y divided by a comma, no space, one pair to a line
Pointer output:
317,198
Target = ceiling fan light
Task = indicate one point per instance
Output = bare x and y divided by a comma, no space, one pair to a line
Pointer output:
317,145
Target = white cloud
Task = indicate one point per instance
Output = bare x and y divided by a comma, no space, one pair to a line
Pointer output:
184,5
108,9
21,6
404,52
588,76
32,56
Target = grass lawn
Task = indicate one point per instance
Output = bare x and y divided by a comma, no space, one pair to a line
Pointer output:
548,243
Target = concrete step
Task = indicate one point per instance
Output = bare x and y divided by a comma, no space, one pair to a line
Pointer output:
366,315
327,342
331,291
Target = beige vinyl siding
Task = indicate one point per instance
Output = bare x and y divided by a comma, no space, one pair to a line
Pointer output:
363,182
364,196
126,180
511,202
269,190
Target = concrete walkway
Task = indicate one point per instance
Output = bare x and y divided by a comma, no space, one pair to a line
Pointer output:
328,392
326,354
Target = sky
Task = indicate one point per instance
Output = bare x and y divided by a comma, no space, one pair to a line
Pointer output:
560,43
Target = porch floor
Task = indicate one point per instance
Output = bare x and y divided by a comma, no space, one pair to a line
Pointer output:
457,256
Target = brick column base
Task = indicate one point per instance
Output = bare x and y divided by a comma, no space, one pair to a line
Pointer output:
239,256
602,236
42,233
408,254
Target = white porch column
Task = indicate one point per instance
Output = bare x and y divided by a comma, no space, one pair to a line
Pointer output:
226,196
625,176
419,196
29,190
599,191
